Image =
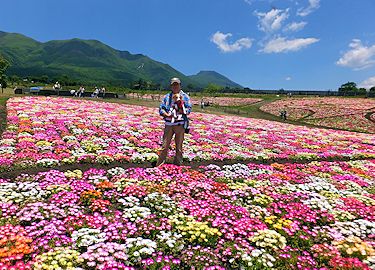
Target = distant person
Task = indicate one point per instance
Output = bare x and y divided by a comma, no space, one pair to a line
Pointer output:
96,93
283,114
57,86
177,126
202,104
80,91
102,90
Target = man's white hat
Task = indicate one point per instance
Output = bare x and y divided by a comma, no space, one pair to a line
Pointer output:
175,80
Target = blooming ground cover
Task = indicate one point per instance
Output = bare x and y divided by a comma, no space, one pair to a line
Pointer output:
46,131
343,113
218,101
225,101
280,216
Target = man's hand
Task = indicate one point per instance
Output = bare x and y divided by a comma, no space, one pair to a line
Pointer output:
167,114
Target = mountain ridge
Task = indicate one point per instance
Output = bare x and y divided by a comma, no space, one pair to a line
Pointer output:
92,61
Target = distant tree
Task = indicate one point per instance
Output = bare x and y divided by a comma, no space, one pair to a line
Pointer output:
372,89
3,82
14,79
4,64
148,85
190,86
44,79
64,80
349,87
362,91
212,89
140,84
156,86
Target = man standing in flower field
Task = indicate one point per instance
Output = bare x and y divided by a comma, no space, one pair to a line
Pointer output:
181,102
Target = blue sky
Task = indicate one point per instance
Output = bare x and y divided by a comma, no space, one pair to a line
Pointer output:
261,44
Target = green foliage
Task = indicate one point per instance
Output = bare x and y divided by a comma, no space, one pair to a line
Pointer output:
349,87
88,61
92,62
372,89
362,91
212,89
212,77
3,82
14,79
4,64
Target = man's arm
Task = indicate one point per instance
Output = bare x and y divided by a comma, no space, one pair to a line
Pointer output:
187,103
163,107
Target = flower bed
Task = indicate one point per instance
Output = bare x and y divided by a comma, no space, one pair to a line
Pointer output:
355,122
46,132
225,101
343,113
218,101
280,216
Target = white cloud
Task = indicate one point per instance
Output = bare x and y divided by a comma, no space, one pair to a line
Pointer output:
294,26
281,44
368,83
358,57
288,78
249,1
313,5
272,21
220,39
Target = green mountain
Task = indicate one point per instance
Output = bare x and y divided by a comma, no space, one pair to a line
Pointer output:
207,77
88,61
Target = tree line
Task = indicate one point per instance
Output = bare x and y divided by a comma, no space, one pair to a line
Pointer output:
349,88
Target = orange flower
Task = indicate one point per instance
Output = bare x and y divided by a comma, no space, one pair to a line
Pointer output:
14,243
89,195
105,185
277,166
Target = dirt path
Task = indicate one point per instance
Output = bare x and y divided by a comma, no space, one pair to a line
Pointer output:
368,116
194,165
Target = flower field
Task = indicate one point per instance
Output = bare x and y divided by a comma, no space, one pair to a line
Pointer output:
225,101
46,132
218,101
342,113
318,215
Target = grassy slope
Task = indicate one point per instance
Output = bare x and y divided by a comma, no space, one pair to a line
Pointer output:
87,60
207,77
